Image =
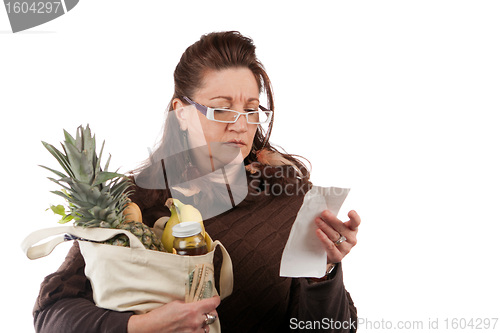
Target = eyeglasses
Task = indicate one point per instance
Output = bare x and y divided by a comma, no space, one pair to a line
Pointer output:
260,117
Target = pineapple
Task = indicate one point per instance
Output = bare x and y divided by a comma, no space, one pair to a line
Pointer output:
96,197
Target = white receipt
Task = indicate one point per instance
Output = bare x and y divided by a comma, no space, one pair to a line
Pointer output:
304,254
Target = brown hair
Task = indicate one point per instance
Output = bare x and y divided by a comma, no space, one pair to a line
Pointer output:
217,51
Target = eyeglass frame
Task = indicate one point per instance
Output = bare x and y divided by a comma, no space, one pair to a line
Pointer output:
209,113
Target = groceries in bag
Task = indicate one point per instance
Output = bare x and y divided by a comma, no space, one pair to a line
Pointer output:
188,239
128,277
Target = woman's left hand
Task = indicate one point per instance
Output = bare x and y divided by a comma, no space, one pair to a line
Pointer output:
331,229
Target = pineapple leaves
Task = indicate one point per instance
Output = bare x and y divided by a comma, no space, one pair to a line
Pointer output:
104,176
78,141
60,157
58,182
88,140
96,197
77,160
61,194
80,154
97,164
69,138
107,163
60,174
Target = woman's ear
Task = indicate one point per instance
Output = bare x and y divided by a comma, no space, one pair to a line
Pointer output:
180,113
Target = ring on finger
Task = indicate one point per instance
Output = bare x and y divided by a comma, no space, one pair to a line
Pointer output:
210,318
340,240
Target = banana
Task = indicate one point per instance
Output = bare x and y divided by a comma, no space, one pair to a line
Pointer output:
167,239
179,212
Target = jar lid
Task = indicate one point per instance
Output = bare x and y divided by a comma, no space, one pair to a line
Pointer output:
186,229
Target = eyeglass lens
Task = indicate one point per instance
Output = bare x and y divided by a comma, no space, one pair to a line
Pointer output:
231,116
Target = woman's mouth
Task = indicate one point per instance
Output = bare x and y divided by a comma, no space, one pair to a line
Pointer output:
236,143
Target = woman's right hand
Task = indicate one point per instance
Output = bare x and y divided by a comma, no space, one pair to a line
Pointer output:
175,316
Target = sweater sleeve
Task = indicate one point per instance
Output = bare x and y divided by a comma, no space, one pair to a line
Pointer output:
326,303
65,302
79,315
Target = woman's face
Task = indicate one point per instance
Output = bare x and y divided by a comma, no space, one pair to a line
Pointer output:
235,89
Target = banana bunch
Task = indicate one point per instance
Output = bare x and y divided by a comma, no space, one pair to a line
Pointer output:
179,212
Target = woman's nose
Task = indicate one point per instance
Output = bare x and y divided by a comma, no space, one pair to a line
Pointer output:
240,125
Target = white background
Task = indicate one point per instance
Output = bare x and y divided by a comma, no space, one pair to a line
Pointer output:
396,99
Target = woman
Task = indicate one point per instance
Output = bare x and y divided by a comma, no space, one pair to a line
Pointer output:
216,154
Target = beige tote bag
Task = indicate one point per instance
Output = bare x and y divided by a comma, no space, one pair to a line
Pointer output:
133,278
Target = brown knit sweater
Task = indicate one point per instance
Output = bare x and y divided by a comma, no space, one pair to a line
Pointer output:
254,233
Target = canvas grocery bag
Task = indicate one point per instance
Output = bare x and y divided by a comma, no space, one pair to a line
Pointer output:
131,278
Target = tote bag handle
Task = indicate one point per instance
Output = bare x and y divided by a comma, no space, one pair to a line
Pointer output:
33,251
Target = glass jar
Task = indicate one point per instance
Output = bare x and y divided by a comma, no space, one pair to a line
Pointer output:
188,240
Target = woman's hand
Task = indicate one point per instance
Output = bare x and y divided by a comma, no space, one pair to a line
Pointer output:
175,316
331,229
